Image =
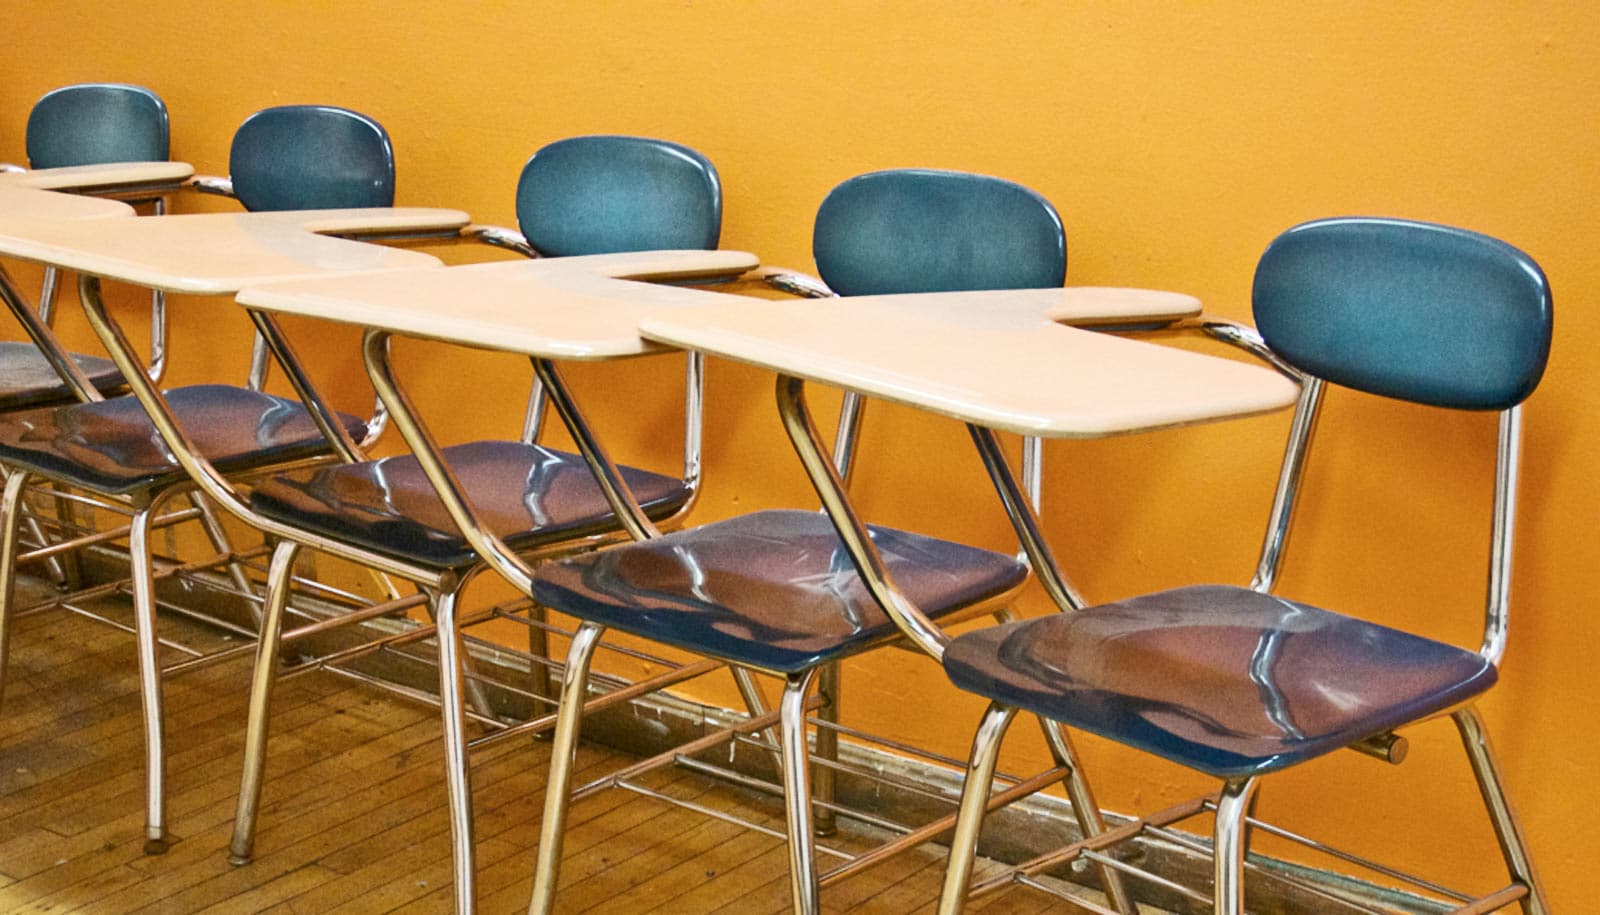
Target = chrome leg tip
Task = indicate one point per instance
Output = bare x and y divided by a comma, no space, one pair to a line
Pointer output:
238,860
156,846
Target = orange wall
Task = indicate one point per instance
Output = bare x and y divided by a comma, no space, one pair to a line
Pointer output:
1176,139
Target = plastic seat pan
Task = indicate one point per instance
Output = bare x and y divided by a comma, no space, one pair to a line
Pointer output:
528,495
773,590
27,380
1222,679
111,446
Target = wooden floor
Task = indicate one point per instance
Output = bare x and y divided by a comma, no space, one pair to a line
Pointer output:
353,816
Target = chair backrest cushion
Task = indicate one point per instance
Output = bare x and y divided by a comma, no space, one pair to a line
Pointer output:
1413,310
311,157
605,194
922,230
93,123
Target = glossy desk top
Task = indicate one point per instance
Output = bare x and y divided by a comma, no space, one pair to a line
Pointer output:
999,359
1090,306
100,177
221,253
561,308
21,202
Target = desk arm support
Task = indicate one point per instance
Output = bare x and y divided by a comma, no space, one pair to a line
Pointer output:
1019,506
213,184
618,496
829,486
177,441
375,354
329,425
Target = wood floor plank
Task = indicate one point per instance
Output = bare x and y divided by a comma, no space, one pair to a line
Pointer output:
353,816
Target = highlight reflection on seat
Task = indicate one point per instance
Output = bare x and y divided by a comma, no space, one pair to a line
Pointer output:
528,494
773,590
1247,682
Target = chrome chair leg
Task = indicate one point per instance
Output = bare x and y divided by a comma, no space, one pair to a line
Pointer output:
1229,847
10,519
539,674
563,755
974,803
262,682
755,702
797,793
474,691
457,769
144,621
824,779
1086,809
1513,844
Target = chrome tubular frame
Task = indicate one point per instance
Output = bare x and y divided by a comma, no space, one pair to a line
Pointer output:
1284,497
829,486
1020,508
1508,460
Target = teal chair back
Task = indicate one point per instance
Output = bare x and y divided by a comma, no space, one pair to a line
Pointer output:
94,123
605,194
311,157
923,230
1412,310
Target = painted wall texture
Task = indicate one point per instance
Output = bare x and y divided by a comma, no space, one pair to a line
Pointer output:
1177,139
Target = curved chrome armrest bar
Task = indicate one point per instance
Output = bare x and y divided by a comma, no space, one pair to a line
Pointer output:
1020,507
1247,338
213,184
1507,470
1287,492
11,167
792,282
825,479
499,237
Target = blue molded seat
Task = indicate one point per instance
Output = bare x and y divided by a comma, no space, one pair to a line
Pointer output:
1237,682
1222,679
530,496
111,447
28,380
773,590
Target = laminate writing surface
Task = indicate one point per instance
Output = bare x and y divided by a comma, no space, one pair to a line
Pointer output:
220,253
581,308
22,202
1000,359
101,177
